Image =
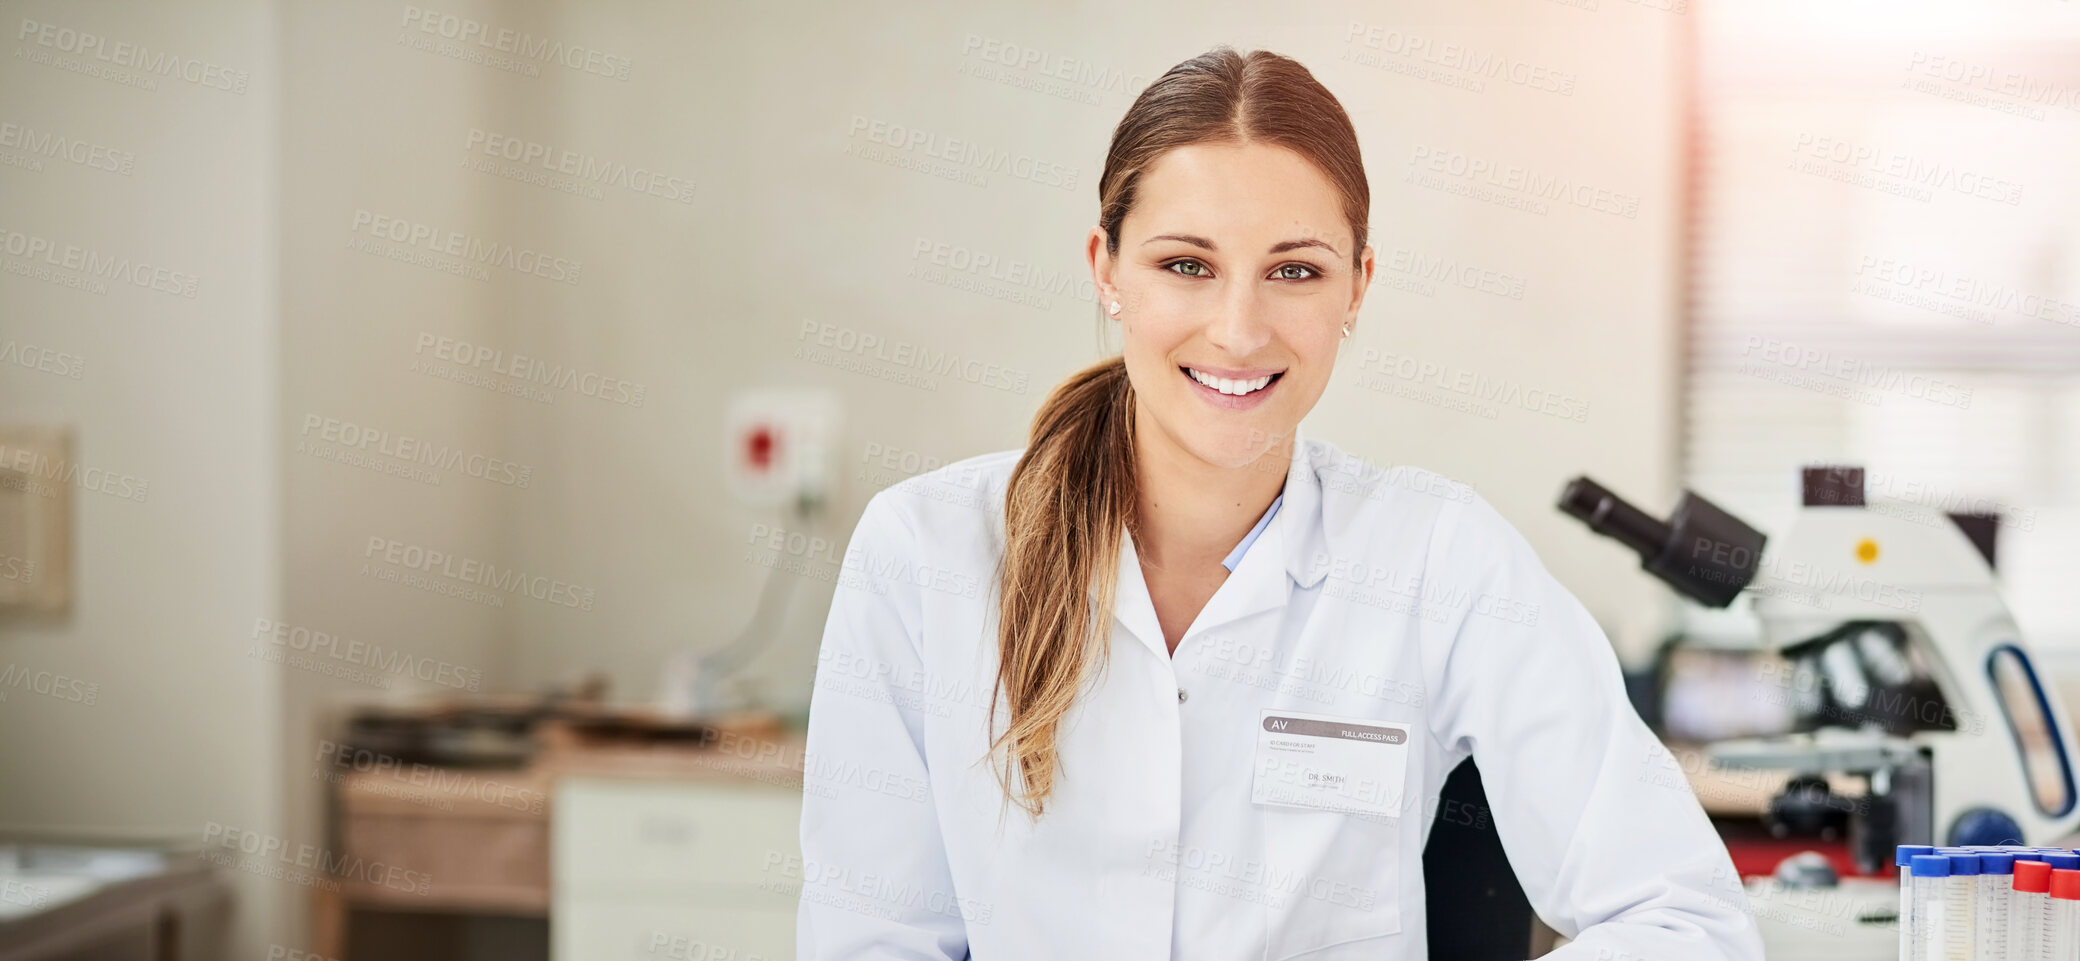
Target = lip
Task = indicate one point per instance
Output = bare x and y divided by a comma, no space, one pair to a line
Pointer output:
1231,401
1236,373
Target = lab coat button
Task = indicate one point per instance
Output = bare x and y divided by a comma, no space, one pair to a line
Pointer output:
1181,695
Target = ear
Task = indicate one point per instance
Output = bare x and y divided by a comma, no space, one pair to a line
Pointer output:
1102,265
1361,281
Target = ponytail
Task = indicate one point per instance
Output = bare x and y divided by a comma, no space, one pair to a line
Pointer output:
1067,505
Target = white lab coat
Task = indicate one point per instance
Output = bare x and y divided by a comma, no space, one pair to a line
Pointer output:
1392,595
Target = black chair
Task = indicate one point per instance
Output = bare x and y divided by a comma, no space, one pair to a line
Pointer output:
1476,909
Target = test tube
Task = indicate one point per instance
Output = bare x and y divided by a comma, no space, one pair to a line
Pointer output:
1931,872
2029,918
1996,889
1960,897
2065,914
1903,857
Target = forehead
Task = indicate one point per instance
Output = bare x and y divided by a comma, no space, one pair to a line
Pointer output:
1253,194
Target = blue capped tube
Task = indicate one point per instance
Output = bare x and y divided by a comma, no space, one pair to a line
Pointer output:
1960,899
1929,876
1990,913
1903,857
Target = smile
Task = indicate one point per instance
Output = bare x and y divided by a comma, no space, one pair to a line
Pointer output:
1227,385
1227,390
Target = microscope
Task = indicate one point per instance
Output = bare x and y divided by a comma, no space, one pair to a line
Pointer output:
1900,662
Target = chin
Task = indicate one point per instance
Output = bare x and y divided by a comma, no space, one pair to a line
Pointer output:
1232,447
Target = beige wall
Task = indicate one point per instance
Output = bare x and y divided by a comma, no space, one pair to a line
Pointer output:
179,393
372,129
759,104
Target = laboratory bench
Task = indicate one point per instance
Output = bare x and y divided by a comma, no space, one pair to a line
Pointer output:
65,898
620,846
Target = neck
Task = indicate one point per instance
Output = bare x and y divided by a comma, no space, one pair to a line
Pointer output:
1192,513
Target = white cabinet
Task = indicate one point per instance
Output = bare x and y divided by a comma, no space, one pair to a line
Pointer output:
663,869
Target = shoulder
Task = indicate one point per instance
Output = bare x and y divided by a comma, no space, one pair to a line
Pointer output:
1476,527
1398,503
1481,564
936,534
973,483
1420,516
1353,480
963,500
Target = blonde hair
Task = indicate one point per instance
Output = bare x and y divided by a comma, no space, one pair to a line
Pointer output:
1071,498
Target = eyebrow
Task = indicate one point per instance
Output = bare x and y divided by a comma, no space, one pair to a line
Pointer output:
1277,248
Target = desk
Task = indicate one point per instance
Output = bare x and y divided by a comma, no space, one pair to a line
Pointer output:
650,868
1746,792
584,827
173,909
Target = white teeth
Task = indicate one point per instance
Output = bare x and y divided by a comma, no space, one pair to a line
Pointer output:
1228,386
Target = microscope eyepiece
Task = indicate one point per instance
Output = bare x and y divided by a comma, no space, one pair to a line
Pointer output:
1702,551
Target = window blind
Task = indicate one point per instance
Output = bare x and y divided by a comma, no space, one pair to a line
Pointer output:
1883,269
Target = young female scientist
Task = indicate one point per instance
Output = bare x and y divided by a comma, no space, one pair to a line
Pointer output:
1176,682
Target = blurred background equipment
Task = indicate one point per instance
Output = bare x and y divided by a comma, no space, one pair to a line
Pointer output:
781,453
1900,668
781,447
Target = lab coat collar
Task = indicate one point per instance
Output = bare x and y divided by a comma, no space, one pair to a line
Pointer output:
1305,536
1262,581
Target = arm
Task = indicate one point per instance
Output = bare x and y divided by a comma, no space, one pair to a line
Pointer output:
1601,828
866,852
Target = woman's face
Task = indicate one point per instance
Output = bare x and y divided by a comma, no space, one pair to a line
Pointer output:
1234,281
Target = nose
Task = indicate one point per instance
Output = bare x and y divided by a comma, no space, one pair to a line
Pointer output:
1238,326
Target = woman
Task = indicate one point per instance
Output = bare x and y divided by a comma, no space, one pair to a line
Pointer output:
1176,682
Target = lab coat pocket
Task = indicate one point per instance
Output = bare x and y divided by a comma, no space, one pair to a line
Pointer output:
1334,878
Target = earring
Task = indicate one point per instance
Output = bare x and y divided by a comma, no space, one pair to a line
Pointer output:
1112,308
1346,330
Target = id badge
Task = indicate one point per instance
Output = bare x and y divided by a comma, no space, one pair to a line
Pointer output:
1325,763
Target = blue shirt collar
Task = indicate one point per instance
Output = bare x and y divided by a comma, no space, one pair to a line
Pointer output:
1235,556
